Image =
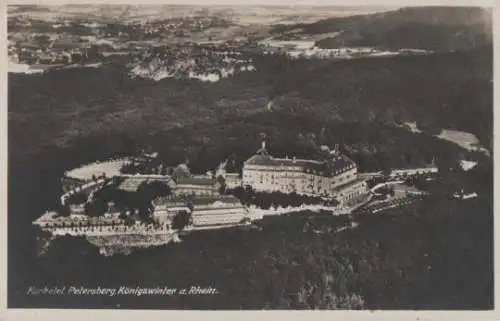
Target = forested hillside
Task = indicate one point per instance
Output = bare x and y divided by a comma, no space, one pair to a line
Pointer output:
419,258
431,28
104,109
449,90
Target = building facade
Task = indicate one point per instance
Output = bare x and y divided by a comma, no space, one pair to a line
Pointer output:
198,186
351,192
205,210
306,177
402,173
232,180
165,208
221,210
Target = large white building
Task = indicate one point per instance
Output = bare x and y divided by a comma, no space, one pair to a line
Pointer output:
197,185
232,180
165,208
221,210
205,210
335,176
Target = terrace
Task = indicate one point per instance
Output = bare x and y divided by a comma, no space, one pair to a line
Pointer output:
88,172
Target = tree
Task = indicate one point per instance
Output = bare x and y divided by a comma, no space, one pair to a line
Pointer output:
77,198
76,58
64,210
128,168
222,189
154,189
92,53
295,199
264,200
97,208
181,220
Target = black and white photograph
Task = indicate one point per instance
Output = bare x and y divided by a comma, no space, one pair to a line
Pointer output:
249,157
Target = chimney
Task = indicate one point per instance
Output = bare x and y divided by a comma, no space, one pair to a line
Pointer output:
269,106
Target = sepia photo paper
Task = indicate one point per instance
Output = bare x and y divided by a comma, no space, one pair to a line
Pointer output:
221,160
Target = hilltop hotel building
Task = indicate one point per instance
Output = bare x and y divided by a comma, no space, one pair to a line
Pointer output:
336,176
205,210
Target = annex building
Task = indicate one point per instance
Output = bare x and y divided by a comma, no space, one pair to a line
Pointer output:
205,210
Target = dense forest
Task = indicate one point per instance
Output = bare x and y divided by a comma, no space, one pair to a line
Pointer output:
104,111
436,254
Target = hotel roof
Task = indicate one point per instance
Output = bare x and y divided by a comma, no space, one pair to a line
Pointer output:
131,183
202,181
169,201
196,200
327,167
207,200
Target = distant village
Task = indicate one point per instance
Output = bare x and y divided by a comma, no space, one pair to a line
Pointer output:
185,47
39,46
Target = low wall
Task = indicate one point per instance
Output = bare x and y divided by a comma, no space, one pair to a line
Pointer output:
83,188
126,243
105,231
380,185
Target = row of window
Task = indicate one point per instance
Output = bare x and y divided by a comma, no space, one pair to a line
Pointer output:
215,220
272,181
251,174
405,174
199,192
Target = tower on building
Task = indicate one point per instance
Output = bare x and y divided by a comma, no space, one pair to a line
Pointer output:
269,106
262,150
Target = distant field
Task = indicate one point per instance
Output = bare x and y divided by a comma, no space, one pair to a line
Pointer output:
466,140
463,139
240,14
